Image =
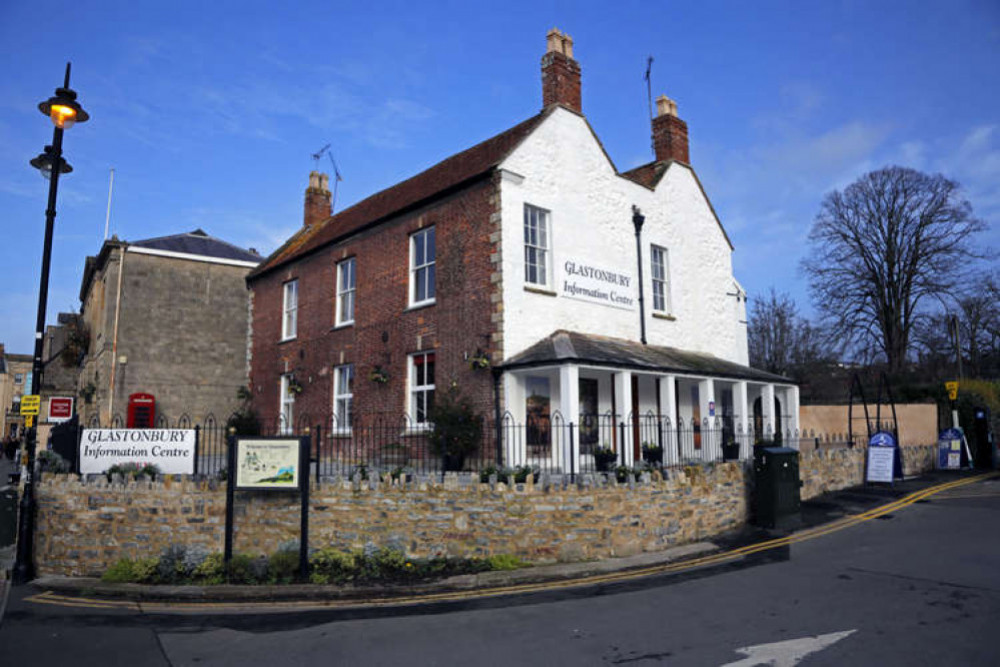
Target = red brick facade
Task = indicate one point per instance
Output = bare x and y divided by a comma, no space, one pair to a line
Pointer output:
385,330
670,139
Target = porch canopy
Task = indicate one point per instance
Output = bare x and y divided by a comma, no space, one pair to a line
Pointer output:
584,375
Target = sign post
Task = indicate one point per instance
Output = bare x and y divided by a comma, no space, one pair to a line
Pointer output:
268,464
952,388
883,463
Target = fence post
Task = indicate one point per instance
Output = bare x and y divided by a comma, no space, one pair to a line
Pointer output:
319,439
197,440
621,441
572,454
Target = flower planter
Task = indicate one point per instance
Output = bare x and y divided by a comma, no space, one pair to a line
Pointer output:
731,452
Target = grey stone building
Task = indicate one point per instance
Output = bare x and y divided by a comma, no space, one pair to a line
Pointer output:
165,317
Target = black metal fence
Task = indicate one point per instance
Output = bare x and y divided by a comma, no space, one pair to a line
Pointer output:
377,444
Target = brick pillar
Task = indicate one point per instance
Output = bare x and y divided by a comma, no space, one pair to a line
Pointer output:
670,133
560,72
317,207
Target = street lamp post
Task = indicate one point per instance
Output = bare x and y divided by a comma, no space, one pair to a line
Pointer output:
64,111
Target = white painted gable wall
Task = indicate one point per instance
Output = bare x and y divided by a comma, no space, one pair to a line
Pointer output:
565,171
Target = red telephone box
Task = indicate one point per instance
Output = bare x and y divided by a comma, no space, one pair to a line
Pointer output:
141,411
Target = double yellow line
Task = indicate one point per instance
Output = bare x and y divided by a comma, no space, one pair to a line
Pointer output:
714,559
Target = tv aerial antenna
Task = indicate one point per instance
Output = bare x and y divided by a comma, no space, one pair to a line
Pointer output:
649,91
337,178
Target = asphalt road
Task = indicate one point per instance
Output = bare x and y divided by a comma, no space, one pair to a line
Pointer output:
918,587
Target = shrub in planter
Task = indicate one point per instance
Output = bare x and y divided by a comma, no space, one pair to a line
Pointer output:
131,469
652,453
50,461
127,571
457,430
604,459
730,451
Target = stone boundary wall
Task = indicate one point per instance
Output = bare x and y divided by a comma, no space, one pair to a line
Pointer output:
832,469
85,526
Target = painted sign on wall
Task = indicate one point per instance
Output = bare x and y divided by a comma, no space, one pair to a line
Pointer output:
586,282
170,449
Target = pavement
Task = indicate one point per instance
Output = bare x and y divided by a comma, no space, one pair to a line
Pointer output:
821,515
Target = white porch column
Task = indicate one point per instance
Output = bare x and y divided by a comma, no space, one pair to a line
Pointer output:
767,408
742,405
668,414
569,407
515,449
793,408
623,403
710,446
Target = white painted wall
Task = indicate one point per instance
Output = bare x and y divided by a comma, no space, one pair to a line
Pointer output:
565,171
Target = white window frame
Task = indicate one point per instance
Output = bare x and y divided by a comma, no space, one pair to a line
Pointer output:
417,392
290,310
286,406
341,425
662,302
346,290
537,246
18,378
428,267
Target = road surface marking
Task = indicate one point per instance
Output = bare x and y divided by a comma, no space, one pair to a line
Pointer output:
515,589
787,653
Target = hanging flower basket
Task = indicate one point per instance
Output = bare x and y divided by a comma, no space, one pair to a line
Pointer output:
378,375
294,387
479,361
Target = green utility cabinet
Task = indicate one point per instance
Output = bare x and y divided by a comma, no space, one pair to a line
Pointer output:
777,503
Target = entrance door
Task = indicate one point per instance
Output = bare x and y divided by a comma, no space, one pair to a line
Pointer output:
589,430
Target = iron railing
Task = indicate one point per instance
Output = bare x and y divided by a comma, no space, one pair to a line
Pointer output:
378,444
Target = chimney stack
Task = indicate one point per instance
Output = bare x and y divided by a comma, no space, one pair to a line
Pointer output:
317,207
560,73
670,133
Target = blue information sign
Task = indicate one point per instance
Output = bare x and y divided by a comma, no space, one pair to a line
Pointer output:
950,449
881,466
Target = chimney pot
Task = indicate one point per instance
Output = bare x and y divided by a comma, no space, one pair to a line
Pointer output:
670,133
317,204
560,72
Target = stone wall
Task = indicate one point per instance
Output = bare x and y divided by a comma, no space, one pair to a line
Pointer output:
83,527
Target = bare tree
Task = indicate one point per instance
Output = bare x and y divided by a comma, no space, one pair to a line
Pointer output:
977,316
779,339
884,250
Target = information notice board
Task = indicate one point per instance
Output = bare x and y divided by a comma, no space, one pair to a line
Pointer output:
881,457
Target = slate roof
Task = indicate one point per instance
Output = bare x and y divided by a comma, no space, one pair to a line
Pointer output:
198,242
570,346
444,177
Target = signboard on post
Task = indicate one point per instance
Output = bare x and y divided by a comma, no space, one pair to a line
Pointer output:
172,450
952,388
60,408
950,449
30,404
881,457
268,464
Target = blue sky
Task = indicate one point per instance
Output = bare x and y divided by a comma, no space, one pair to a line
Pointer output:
209,112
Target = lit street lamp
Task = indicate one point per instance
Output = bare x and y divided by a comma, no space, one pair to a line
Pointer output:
64,111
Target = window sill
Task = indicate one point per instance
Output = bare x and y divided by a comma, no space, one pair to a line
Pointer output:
422,304
340,433
665,316
286,340
417,430
539,290
342,325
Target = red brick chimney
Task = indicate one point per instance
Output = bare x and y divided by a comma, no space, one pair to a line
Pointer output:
560,73
670,133
317,207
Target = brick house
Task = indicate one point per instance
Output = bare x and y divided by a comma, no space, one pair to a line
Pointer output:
518,254
168,318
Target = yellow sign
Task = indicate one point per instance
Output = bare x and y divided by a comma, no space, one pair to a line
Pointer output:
952,388
29,421
30,404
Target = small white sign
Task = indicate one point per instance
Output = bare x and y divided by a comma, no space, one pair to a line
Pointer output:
170,449
880,461
597,284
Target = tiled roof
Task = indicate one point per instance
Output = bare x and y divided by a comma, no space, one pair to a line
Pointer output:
570,346
198,243
453,172
648,174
